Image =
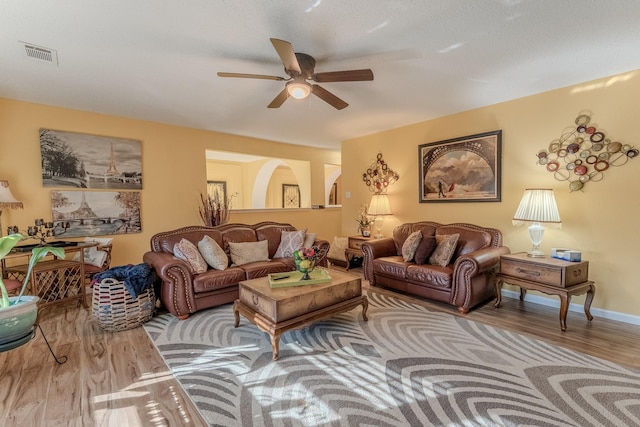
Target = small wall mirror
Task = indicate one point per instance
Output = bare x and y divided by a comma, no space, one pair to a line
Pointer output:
258,182
332,185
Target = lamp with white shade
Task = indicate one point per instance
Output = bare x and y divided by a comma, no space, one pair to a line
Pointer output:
7,200
379,208
538,206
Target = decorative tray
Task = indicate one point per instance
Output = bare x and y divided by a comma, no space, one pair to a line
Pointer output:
292,278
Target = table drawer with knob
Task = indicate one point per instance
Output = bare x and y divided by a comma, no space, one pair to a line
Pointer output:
552,272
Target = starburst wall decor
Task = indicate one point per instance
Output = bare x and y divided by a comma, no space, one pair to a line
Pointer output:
379,176
583,153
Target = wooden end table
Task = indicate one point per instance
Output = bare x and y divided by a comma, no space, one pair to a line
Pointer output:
278,310
548,275
354,248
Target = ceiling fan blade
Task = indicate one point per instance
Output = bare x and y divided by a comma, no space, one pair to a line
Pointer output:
328,97
279,99
344,76
287,55
250,76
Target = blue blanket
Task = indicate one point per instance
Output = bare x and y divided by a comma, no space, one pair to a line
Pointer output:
136,278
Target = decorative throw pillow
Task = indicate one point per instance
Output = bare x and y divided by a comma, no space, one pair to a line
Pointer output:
309,240
187,251
336,249
246,252
92,255
212,253
410,245
425,249
290,241
445,249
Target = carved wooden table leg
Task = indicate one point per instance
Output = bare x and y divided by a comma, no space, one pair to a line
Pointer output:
565,300
275,346
498,286
365,306
236,313
587,302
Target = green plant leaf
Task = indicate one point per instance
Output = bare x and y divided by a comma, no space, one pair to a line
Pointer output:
4,301
8,242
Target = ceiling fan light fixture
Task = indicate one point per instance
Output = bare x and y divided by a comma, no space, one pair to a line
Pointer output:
299,89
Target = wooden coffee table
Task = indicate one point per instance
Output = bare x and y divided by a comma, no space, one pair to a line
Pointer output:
276,311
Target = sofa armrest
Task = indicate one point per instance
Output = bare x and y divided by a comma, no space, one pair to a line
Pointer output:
481,260
468,270
372,249
176,292
323,249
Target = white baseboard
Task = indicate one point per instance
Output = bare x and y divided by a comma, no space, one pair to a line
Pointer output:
553,302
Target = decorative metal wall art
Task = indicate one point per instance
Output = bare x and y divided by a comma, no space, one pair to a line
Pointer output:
379,176
583,153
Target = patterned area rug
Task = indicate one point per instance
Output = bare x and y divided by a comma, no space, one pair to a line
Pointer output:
406,366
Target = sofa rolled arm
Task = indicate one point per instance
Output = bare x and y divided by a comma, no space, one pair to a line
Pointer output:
323,249
373,249
469,266
176,291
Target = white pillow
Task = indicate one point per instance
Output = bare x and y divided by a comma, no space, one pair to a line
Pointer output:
212,253
309,240
92,255
246,252
336,249
187,251
290,241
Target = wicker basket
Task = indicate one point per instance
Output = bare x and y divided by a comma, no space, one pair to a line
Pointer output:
116,310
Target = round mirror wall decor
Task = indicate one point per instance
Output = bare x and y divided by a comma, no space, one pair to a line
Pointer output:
582,153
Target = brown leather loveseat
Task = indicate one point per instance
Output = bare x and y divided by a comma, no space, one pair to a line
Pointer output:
184,292
466,281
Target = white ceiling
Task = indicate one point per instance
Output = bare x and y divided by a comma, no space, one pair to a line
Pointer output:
157,59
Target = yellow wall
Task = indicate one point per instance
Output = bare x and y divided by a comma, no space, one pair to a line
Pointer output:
174,171
601,220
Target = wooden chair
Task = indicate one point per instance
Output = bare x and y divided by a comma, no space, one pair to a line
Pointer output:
91,270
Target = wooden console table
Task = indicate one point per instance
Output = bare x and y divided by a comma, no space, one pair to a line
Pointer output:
548,275
354,248
53,280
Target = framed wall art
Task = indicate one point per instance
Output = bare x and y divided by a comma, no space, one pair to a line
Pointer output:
465,169
219,188
95,213
290,196
81,160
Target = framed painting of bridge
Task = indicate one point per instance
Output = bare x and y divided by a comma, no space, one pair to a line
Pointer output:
79,160
465,169
95,213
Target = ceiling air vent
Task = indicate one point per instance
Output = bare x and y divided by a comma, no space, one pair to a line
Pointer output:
40,54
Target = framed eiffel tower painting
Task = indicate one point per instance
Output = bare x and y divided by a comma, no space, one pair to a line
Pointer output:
79,160
95,213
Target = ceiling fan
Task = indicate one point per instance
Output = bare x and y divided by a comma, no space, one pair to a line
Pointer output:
300,68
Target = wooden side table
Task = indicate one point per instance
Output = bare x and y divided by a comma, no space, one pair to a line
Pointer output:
548,275
354,248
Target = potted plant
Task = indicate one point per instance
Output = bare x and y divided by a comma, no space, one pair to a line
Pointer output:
364,221
18,314
214,209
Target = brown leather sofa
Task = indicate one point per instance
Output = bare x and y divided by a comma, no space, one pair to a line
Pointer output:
466,282
183,292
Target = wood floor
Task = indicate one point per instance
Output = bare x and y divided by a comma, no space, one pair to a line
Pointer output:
119,379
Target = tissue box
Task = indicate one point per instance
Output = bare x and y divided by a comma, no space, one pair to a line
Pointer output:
566,254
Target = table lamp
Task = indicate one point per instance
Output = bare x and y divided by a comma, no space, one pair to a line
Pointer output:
379,208
536,207
7,200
